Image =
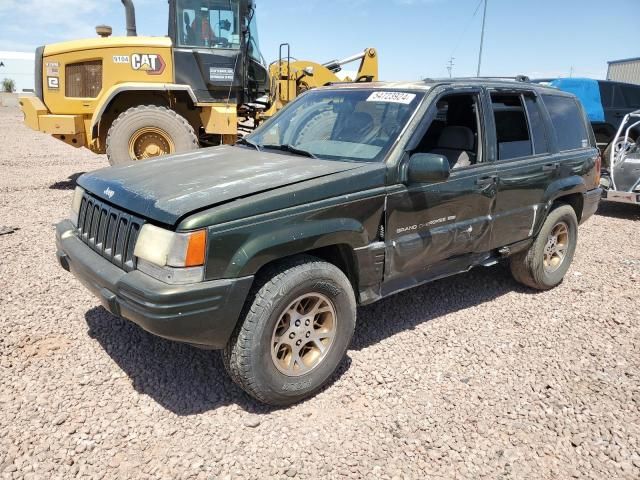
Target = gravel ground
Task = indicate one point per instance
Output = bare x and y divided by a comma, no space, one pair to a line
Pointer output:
468,377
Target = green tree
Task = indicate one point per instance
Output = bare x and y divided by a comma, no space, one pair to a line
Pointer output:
8,85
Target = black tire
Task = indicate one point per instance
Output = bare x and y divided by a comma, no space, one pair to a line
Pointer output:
528,267
248,355
173,125
319,126
606,156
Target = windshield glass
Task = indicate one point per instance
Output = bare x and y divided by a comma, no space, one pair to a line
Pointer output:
208,23
254,43
359,125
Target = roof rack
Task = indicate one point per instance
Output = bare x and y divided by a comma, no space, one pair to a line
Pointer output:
517,78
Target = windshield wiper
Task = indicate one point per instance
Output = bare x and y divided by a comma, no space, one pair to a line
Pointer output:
290,149
244,141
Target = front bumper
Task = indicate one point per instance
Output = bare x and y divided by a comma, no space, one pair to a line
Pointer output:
591,201
203,314
68,128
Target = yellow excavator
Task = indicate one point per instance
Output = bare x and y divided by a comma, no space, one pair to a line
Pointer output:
137,97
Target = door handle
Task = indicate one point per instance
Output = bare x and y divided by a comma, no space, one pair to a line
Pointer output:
550,167
488,180
619,115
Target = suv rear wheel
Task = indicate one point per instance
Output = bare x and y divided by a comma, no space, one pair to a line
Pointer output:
546,262
294,332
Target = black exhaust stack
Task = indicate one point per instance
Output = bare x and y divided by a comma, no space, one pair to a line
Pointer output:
130,12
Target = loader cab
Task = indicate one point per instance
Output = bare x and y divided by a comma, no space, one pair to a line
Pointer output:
216,49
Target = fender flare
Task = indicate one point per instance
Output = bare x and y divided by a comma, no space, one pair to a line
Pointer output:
295,239
558,189
563,187
135,87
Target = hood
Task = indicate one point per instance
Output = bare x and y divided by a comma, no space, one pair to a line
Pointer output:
97,43
171,187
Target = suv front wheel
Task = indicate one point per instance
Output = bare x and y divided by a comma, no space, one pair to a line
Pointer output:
546,262
294,332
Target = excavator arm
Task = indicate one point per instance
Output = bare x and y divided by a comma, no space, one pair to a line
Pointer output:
289,78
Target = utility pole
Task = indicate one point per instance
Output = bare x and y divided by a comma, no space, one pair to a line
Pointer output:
450,65
484,18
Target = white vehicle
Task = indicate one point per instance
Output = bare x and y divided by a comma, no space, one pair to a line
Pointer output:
621,183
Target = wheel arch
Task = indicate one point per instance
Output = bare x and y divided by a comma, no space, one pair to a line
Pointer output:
574,200
568,191
334,240
142,92
340,255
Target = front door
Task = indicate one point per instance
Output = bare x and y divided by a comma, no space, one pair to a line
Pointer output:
437,229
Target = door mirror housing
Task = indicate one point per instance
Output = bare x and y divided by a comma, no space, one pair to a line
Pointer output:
428,168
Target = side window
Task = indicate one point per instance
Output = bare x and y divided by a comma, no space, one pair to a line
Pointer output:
568,122
455,131
536,125
184,26
512,132
618,98
631,95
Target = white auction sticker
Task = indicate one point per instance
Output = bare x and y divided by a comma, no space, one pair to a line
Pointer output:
392,97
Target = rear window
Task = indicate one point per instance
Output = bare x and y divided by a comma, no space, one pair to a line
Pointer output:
512,133
568,122
536,124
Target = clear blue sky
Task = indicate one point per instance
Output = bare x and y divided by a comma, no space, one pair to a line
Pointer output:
415,38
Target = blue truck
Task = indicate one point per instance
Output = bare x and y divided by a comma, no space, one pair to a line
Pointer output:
606,104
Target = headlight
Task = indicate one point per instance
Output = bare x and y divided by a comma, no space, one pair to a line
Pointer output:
75,205
171,257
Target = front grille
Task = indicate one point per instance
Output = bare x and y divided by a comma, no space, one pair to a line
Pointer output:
110,232
83,80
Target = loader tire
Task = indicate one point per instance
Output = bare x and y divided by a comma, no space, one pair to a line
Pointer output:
148,131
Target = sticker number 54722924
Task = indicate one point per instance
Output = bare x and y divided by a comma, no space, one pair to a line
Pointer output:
392,97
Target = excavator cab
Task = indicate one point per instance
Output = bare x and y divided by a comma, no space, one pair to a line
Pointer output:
216,50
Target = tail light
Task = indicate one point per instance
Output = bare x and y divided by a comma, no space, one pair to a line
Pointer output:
598,170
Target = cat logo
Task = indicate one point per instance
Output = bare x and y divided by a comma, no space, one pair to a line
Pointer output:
148,62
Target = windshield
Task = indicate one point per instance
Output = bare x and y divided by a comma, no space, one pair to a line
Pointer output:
254,43
359,125
208,23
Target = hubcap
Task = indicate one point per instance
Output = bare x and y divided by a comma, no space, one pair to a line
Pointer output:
555,251
150,142
303,334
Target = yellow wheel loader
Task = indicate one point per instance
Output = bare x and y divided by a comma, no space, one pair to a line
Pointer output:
137,97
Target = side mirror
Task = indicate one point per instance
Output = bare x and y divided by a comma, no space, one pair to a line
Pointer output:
428,168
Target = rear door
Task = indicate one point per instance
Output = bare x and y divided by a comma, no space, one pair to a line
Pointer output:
525,164
562,146
438,229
